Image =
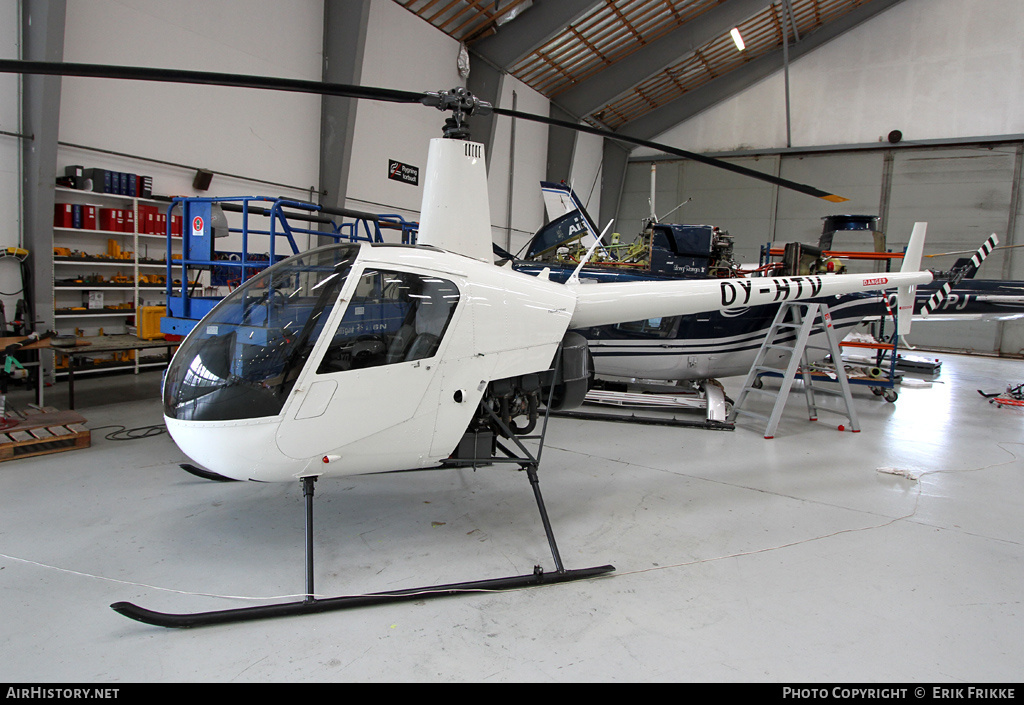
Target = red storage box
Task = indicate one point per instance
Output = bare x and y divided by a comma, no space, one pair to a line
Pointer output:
63,215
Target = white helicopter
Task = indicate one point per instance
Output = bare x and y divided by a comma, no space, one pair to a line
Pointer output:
431,353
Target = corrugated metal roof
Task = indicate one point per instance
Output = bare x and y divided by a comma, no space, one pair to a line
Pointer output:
614,29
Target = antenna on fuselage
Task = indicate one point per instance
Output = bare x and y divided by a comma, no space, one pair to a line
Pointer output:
575,278
650,200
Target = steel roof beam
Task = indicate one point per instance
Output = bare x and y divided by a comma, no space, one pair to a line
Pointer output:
536,25
620,77
686,106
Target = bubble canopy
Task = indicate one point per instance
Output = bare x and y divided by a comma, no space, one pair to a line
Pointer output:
243,359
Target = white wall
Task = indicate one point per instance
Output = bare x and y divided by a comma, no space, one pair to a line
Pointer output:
933,69
262,135
587,160
530,166
404,52
258,134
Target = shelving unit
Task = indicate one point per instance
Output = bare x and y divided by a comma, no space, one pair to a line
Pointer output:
84,263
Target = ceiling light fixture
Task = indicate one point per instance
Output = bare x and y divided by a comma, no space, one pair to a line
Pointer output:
740,46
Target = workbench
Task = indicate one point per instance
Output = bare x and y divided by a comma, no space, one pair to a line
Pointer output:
102,345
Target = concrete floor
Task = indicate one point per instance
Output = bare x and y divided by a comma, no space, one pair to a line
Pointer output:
738,558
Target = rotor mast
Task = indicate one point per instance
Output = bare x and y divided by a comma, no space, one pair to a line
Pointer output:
455,214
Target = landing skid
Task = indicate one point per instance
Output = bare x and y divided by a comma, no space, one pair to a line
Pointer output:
205,474
291,609
313,605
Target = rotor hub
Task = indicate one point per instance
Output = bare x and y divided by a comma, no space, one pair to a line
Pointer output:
462,104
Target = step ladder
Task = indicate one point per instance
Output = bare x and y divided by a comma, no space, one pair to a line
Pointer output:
814,318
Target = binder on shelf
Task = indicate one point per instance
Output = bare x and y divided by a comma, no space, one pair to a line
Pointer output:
108,219
147,219
89,217
102,180
63,216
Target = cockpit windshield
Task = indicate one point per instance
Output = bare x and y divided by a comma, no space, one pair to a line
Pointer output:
242,360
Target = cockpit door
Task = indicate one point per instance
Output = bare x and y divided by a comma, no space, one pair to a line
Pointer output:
375,371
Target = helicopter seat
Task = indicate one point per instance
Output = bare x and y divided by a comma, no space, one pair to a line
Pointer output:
400,343
423,345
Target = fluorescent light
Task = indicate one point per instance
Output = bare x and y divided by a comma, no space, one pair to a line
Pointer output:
740,46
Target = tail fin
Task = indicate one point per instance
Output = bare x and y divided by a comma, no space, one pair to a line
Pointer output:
560,200
940,296
905,294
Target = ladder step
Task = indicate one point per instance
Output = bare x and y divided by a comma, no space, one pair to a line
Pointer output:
769,392
805,326
829,392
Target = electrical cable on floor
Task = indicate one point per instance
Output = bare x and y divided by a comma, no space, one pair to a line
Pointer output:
130,434
1001,445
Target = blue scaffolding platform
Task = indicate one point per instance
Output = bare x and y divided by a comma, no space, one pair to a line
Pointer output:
204,220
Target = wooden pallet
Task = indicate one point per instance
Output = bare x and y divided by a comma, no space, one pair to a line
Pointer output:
44,431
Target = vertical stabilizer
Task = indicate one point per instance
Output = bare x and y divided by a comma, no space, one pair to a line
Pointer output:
905,294
456,214
560,200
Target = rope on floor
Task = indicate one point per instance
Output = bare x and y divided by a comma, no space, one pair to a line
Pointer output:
130,434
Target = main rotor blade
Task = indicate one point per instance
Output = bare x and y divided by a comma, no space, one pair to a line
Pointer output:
711,161
140,73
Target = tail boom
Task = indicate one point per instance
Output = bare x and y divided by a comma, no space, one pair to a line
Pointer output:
614,302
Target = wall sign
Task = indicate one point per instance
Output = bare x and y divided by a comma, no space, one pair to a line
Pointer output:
403,172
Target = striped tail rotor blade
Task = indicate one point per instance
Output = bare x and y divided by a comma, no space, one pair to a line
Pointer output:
940,296
936,299
984,251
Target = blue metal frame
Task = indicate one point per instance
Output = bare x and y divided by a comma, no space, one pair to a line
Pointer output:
185,310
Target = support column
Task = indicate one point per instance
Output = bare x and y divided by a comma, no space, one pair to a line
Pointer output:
344,41
614,166
561,147
1009,341
42,28
485,82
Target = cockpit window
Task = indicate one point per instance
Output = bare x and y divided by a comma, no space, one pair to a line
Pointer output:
242,359
650,327
393,317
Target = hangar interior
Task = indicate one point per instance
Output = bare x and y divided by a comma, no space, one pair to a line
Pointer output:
888,554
